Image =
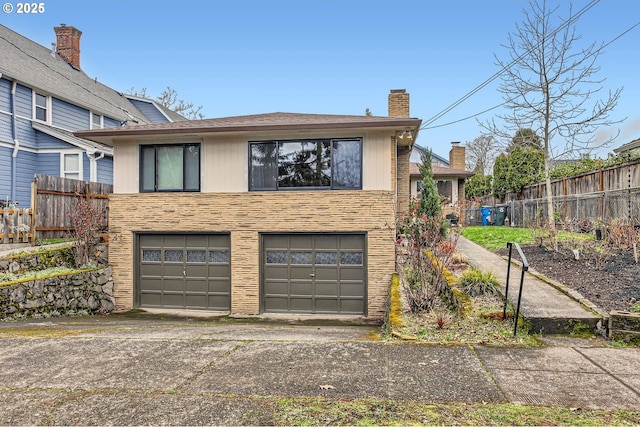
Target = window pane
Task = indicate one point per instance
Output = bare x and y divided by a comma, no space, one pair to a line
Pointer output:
96,121
41,100
351,258
347,167
196,255
219,256
173,255
170,164
304,164
192,168
276,257
71,163
148,168
151,255
326,258
301,258
264,166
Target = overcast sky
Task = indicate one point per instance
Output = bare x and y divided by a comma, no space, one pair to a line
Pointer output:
329,57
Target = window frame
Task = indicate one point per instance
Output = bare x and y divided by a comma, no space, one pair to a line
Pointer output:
332,142
46,108
157,146
63,169
100,121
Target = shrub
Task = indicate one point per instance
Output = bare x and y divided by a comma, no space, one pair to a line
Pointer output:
475,283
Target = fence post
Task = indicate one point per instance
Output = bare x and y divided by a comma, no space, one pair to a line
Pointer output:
34,210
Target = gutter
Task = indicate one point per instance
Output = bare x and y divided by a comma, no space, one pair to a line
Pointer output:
93,165
16,143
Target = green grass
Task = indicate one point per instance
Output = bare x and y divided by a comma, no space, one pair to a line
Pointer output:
324,411
494,238
39,274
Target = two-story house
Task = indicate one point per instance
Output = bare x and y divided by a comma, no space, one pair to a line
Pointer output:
44,97
270,213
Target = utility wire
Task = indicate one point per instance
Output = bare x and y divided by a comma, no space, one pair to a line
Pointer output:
509,100
570,21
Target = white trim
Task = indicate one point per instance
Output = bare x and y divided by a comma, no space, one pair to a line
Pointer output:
63,172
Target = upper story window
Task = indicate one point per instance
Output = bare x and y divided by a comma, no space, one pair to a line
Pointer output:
311,164
71,165
41,107
97,121
170,167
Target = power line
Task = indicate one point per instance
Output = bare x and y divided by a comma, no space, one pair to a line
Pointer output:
570,21
424,127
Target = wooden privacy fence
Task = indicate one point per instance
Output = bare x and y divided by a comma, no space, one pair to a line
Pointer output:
15,225
53,205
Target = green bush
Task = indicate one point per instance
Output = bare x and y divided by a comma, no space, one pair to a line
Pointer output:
635,308
475,283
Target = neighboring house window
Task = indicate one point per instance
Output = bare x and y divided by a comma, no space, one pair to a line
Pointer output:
96,121
71,165
170,167
310,164
41,107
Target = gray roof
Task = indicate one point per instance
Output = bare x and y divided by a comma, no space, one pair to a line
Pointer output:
628,146
36,66
253,123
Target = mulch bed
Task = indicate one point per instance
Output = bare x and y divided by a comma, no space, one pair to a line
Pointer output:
610,280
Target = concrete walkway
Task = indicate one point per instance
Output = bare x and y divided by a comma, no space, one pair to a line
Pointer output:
549,310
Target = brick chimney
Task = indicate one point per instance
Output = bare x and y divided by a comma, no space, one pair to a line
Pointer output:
68,44
457,156
399,103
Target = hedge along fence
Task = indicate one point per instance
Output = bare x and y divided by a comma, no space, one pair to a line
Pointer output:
87,291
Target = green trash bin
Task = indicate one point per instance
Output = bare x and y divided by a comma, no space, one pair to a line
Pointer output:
501,214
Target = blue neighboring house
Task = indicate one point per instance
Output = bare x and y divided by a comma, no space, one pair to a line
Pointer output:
44,97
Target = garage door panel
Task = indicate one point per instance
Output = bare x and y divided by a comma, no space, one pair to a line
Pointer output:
219,271
300,288
327,305
151,284
355,306
184,271
351,289
326,242
218,286
194,285
219,302
173,300
278,304
301,305
350,274
326,273
300,273
300,241
351,242
276,287
151,300
326,288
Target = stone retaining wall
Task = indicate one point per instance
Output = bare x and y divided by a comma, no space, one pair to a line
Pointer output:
624,326
86,292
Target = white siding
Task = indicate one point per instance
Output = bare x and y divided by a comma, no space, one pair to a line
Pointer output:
125,168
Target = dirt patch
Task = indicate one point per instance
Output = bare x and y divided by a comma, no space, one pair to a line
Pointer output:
610,279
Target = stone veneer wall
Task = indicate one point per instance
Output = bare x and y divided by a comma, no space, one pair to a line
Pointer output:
245,216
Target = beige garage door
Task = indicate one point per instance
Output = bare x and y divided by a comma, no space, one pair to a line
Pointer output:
316,273
188,271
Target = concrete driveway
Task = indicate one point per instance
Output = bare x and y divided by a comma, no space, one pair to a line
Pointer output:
126,370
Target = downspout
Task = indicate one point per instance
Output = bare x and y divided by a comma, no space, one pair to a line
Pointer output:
93,165
16,143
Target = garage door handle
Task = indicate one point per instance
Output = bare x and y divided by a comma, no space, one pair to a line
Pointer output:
312,274
184,273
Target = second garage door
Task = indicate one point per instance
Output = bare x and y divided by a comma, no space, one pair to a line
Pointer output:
190,271
319,273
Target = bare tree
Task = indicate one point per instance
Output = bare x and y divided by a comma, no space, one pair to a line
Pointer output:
549,85
169,98
481,153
